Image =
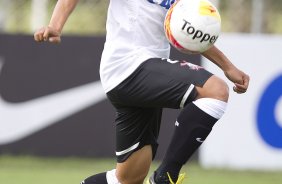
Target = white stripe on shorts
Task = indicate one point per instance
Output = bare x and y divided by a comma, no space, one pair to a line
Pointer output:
186,95
128,149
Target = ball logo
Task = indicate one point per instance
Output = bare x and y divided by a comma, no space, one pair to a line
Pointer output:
187,30
207,9
197,34
267,123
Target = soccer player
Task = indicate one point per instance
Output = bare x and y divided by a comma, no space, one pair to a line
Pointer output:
139,83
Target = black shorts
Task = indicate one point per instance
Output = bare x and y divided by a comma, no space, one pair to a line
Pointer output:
155,84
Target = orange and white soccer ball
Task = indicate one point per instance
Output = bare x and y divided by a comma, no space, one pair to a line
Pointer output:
192,26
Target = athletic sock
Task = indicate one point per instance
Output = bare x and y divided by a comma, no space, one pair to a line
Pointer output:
108,177
96,179
193,125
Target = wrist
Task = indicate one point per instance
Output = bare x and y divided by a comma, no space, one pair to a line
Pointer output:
56,28
227,65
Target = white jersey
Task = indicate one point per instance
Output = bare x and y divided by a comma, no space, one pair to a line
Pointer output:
135,33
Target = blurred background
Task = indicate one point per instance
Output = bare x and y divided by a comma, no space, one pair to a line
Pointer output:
55,121
25,16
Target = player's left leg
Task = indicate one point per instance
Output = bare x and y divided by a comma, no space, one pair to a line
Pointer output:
193,125
178,84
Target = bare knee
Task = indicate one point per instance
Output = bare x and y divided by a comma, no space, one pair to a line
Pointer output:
135,169
214,88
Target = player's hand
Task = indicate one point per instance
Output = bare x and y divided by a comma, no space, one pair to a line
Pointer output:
47,34
239,78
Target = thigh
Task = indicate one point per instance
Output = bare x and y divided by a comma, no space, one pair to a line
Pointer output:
160,83
135,128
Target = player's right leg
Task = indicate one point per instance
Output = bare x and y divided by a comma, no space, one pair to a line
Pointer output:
137,130
132,171
135,169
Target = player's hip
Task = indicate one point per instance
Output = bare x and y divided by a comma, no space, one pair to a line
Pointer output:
159,83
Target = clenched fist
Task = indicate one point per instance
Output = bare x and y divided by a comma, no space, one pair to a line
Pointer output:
47,34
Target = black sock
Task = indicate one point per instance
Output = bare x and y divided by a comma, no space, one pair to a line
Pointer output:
192,127
96,179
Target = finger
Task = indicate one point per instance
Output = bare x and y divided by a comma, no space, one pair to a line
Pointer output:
246,80
237,90
41,37
38,37
56,39
46,34
41,30
241,86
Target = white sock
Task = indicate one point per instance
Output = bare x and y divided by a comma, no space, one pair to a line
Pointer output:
111,177
213,107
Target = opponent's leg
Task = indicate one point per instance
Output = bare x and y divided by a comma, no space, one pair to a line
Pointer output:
193,125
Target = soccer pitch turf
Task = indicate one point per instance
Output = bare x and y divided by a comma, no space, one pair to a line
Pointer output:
34,170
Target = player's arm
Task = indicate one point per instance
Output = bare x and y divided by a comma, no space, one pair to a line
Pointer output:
239,78
52,32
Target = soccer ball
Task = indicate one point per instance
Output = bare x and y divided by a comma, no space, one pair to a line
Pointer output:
192,26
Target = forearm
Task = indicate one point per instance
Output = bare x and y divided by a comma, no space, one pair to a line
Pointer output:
218,58
61,13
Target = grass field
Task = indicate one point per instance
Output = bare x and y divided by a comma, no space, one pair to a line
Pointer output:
34,170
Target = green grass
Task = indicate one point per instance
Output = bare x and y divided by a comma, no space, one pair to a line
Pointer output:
34,170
